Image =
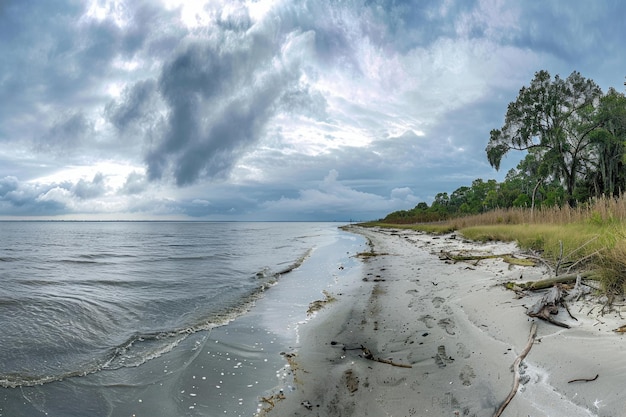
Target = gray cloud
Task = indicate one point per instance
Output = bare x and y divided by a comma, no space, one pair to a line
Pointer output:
55,56
579,34
66,135
29,199
302,100
135,183
408,24
333,200
85,190
7,185
137,106
220,96
26,199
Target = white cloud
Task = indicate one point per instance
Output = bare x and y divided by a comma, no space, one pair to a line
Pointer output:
332,198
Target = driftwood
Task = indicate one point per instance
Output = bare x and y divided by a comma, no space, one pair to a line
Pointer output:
367,354
444,255
516,364
463,256
548,306
549,282
584,379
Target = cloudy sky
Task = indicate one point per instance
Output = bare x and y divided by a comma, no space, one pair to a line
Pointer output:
272,109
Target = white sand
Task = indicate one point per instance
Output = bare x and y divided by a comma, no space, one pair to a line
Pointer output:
460,331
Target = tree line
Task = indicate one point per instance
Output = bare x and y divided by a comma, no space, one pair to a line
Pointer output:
574,139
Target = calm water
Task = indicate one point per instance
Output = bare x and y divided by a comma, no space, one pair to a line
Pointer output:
121,318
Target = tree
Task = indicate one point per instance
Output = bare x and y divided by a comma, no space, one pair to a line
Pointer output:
552,119
479,194
535,174
458,198
607,175
441,204
512,190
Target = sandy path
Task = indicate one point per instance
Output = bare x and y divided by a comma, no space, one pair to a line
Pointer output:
459,331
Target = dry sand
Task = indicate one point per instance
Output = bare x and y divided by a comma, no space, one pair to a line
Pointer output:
459,331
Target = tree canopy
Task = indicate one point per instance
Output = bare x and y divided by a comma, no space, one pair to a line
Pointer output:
552,119
574,139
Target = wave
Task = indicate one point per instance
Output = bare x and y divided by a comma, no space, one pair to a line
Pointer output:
135,351
101,258
141,347
297,263
9,259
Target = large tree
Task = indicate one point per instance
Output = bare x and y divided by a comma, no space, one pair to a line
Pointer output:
607,175
553,119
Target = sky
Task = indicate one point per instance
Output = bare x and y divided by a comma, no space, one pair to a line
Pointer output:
302,110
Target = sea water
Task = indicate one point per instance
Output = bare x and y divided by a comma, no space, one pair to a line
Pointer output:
157,318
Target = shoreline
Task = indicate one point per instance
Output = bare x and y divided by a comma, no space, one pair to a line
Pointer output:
223,370
447,335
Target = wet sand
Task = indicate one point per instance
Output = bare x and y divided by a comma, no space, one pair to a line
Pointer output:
446,335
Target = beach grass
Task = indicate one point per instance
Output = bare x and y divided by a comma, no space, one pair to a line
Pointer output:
438,228
591,235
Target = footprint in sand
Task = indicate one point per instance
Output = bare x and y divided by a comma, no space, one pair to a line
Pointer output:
438,301
466,375
393,381
441,358
428,320
462,351
414,301
352,381
448,325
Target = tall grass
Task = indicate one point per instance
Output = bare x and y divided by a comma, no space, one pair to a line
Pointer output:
570,246
599,211
592,236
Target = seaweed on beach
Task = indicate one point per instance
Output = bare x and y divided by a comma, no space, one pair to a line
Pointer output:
319,304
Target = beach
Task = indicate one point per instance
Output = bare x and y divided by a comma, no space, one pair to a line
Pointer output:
421,335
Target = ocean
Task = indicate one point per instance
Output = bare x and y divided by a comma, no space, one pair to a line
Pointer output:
158,318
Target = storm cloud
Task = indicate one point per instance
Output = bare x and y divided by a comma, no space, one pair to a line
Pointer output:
271,109
219,101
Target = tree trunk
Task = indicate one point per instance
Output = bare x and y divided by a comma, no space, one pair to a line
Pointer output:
532,201
549,282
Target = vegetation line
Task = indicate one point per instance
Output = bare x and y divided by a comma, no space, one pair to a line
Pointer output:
588,239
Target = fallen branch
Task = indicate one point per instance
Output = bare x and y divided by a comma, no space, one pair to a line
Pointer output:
367,354
567,309
444,255
516,364
539,259
548,306
549,282
584,379
511,260
400,365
